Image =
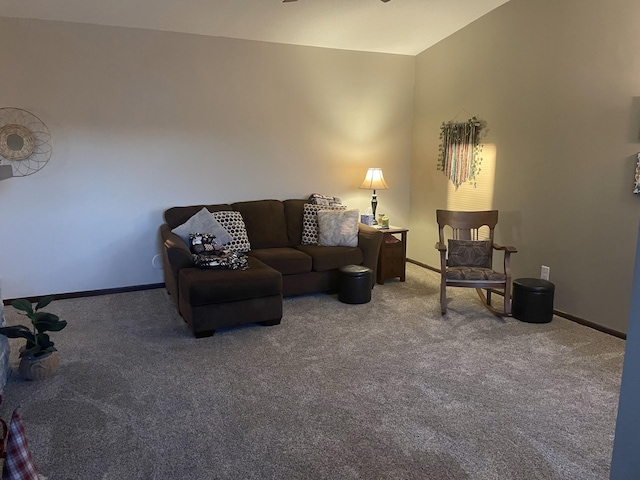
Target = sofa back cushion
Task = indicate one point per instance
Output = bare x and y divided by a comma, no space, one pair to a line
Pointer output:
293,211
176,216
265,223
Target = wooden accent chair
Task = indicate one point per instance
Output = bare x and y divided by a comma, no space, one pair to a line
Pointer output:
469,262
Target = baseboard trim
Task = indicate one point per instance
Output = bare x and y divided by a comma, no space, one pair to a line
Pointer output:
587,323
94,293
423,265
560,313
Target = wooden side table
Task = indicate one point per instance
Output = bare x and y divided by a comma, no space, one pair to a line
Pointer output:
393,254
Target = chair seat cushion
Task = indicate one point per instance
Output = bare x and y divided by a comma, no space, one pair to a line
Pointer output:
474,273
330,258
287,261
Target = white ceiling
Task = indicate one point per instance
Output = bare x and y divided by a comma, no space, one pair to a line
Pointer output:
399,26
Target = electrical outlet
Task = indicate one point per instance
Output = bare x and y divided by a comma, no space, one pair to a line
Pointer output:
544,272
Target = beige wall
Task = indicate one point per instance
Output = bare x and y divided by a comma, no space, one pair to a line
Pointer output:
559,86
145,120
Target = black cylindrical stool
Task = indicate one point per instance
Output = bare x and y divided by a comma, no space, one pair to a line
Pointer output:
533,300
355,284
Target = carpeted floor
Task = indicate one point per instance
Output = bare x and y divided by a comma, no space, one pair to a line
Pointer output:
385,390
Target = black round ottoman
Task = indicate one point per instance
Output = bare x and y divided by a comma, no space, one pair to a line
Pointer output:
354,284
533,300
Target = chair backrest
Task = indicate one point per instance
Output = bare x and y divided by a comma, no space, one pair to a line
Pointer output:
466,225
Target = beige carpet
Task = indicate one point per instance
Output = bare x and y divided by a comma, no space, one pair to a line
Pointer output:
386,390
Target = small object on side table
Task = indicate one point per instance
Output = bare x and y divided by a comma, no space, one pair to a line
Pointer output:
393,254
533,300
367,218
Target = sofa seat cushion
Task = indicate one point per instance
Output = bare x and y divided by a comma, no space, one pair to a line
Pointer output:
205,287
287,261
329,258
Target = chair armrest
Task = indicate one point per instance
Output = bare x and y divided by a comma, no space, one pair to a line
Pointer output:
175,256
506,248
442,248
369,241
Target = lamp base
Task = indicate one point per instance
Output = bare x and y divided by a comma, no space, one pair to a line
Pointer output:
374,205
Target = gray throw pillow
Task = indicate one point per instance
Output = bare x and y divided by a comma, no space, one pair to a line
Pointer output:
203,222
338,228
470,253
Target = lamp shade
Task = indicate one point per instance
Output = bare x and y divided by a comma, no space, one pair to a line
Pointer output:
374,180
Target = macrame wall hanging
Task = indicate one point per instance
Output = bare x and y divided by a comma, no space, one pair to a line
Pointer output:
459,153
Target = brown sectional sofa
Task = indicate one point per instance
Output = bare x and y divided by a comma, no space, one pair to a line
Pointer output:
278,266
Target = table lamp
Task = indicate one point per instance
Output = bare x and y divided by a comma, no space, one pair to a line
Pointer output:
374,180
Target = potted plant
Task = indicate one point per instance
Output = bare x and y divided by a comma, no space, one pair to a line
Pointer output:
38,358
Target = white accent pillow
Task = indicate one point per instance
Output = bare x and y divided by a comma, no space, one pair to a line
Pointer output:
338,228
310,221
203,222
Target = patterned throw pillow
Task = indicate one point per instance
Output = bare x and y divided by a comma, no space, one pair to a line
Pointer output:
469,253
222,260
310,221
338,229
233,223
317,199
203,243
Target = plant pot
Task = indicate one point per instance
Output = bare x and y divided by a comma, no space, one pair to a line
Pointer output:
38,368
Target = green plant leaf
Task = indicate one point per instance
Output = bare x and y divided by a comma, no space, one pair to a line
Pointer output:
45,301
57,326
44,341
17,331
47,322
23,305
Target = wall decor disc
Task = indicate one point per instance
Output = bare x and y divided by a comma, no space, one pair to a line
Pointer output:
16,142
25,141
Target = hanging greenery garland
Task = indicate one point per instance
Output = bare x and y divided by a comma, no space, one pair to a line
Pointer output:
459,153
